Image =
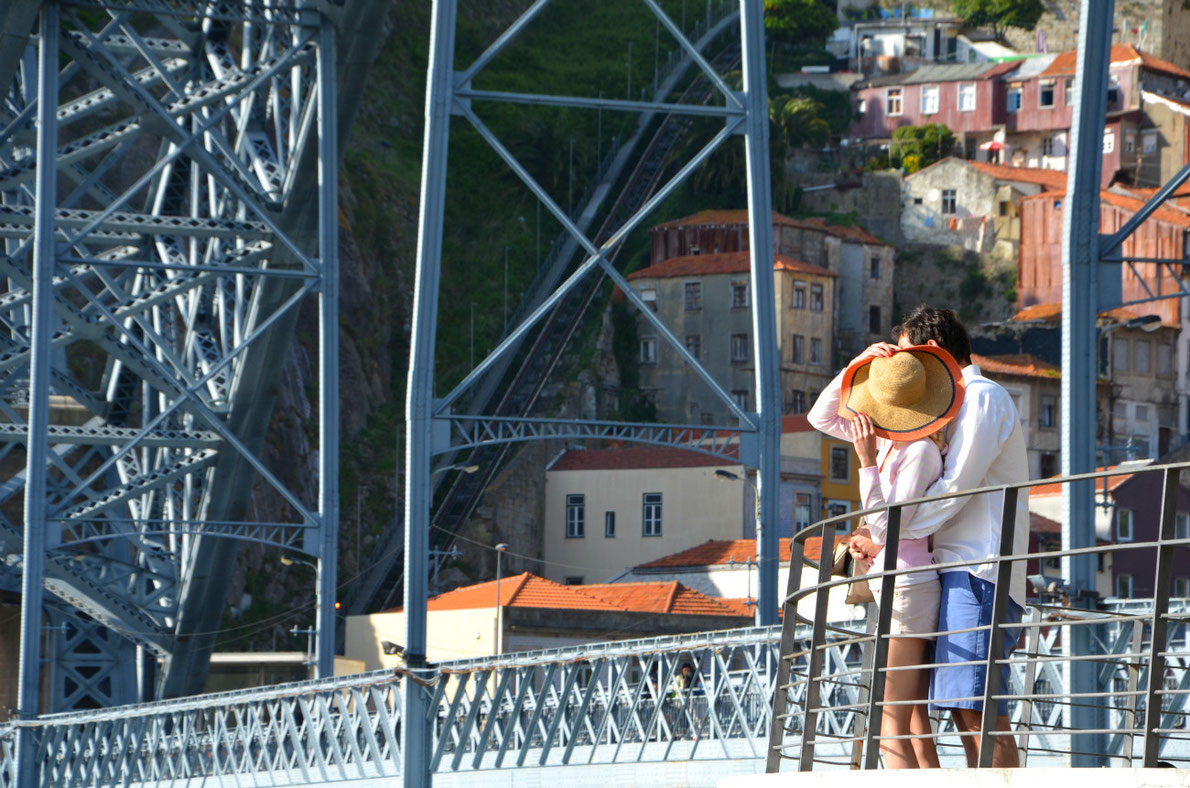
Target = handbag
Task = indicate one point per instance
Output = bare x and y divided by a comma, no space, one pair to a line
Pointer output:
844,565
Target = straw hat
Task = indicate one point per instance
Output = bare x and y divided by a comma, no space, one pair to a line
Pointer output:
908,395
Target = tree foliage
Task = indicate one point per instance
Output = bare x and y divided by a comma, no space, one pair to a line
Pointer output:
800,21
999,14
915,147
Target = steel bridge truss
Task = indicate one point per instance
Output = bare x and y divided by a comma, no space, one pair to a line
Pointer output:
167,203
600,704
431,427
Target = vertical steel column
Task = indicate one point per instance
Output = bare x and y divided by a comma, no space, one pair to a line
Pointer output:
420,389
37,536
764,317
328,357
1080,263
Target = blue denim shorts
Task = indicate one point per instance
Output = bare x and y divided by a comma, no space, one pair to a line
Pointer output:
967,602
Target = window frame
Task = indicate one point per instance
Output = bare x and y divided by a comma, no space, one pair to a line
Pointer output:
874,319
694,346
1047,412
951,197
648,350
894,97
576,515
797,349
1181,525
800,298
649,296
816,347
740,349
968,89
650,518
817,297
797,401
741,397
844,453
1013,98
1125,586
1125,534
874,268
1052,86
932,92
692,296
609,525
738,287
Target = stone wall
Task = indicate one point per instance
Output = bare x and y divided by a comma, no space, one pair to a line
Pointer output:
876,201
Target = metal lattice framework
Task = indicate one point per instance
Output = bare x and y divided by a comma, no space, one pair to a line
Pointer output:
167,203
597,704
431,427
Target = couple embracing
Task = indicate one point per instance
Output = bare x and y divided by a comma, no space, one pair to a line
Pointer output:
925,421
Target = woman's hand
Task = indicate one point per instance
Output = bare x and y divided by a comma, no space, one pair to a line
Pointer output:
881,349
864,437
863,549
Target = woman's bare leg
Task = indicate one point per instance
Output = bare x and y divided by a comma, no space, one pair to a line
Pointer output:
901,685
919,723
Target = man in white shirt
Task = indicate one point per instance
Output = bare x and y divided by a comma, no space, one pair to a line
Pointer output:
986,448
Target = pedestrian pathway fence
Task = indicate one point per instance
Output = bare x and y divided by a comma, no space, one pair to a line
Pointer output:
622,702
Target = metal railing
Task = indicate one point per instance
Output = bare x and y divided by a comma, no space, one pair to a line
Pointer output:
828,713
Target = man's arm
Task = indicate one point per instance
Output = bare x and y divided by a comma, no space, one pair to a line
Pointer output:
983,427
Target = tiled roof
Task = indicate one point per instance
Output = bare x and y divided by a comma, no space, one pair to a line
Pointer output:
721,218
1052,313
671,597
633,458
1120,53
1108,483
1052,179
530,591
723,552
798,422
1022,364
1166,213
1154,63
1039,524
964,72
722,263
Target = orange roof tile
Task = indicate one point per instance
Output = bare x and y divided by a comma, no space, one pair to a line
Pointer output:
722,263
1052,313
1065,63
671,597
1022,364
1154,63
740,217
1112,482
634,457
796,422
530,591
1168,212
721,552
1052,179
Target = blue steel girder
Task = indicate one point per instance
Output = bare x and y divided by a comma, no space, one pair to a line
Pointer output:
735,444
184,273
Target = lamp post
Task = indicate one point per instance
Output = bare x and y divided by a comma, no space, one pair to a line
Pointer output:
762,593
500,550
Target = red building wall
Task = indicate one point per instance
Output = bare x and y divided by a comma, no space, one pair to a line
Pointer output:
1039,274
875,123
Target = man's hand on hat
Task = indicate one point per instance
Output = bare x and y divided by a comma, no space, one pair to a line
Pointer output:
880,349
863,435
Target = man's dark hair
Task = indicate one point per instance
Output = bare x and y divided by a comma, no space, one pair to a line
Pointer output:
941,325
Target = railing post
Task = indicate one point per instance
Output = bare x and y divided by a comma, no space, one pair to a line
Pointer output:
777,721
888,583
1158,636
1134,669
991,684
1032,638
817,655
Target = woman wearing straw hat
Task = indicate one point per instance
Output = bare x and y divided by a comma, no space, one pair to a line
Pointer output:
893,409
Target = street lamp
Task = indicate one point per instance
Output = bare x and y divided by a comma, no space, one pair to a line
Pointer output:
735,477
287,560
500,550
464,468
